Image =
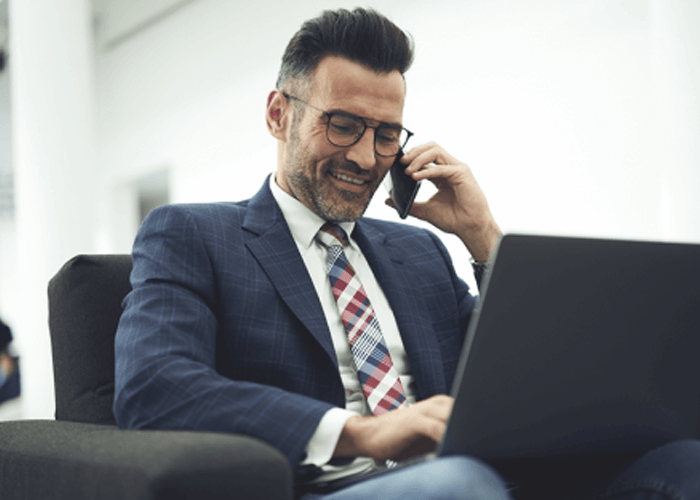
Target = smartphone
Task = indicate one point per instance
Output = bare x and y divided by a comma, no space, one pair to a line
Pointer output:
403,188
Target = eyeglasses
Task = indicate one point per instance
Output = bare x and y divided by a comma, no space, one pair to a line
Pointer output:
344,130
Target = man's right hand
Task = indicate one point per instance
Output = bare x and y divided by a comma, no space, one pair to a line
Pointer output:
398,434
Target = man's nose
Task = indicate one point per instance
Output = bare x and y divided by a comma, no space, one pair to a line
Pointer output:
362,152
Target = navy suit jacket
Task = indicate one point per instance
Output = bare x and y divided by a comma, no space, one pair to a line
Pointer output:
223,330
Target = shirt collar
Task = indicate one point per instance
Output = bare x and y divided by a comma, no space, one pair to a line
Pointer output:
302,222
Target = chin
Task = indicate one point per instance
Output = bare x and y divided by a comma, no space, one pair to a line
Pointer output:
334,215
346,207
340,212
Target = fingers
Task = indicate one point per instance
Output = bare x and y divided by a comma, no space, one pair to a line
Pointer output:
427,156
437,173
429,417
439,405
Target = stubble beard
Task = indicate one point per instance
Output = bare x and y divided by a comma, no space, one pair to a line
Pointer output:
316,192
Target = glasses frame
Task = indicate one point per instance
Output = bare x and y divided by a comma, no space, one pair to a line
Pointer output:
329,115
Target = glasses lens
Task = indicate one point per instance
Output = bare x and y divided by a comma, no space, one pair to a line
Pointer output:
344,130
389,139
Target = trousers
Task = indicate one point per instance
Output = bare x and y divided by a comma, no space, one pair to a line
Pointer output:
670,472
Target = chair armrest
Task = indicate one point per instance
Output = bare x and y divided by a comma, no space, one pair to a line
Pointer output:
57,459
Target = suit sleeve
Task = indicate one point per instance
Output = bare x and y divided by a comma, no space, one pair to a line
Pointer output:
465,299
165,361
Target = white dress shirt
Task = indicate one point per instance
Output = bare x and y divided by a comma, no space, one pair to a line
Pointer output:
304,224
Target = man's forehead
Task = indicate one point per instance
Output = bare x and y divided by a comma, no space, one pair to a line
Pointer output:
352,87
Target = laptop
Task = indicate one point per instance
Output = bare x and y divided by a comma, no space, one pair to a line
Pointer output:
579,347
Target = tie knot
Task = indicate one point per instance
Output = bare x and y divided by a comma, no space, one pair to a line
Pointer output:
331,235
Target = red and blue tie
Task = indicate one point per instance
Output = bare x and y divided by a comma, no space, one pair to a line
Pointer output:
378,377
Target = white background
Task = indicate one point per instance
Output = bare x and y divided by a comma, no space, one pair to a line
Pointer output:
578,117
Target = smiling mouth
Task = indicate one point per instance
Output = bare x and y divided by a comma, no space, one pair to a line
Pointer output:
347,178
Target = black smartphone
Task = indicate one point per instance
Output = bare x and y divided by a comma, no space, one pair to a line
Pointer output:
404,188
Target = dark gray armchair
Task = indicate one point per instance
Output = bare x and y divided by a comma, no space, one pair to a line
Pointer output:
82,454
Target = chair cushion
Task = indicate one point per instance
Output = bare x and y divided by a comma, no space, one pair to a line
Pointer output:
50,459
85,300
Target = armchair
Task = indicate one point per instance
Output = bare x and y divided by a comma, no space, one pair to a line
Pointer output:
82,454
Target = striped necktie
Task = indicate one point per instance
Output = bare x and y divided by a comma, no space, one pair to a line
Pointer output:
378,377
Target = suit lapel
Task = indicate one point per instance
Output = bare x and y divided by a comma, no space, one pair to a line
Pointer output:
393,273
275,250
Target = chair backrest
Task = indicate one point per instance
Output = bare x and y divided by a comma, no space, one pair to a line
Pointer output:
85,299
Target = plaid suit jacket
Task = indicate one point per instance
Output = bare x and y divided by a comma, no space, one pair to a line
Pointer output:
223,330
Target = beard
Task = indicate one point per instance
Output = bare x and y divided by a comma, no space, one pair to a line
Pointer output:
312,186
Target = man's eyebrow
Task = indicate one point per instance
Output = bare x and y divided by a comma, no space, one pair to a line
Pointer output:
370,121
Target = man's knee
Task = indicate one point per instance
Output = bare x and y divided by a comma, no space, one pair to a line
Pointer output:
674,465
465,477
675,456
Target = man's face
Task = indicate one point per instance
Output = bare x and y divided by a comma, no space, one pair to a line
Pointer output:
337,183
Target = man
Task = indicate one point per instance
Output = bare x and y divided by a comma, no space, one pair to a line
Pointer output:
241,317
9,370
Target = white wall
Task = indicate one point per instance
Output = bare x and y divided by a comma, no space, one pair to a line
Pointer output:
553,104
52,79
579,117
676,75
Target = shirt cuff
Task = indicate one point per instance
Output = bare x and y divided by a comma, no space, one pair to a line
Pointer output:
320,448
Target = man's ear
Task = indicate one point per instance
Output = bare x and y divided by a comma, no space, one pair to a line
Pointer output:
278,115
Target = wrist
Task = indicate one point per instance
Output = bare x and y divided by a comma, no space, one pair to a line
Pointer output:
481,241
349,442
322,444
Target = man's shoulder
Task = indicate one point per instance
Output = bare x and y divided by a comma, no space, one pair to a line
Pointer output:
199,211
395,229
206,208
404,238
260,206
